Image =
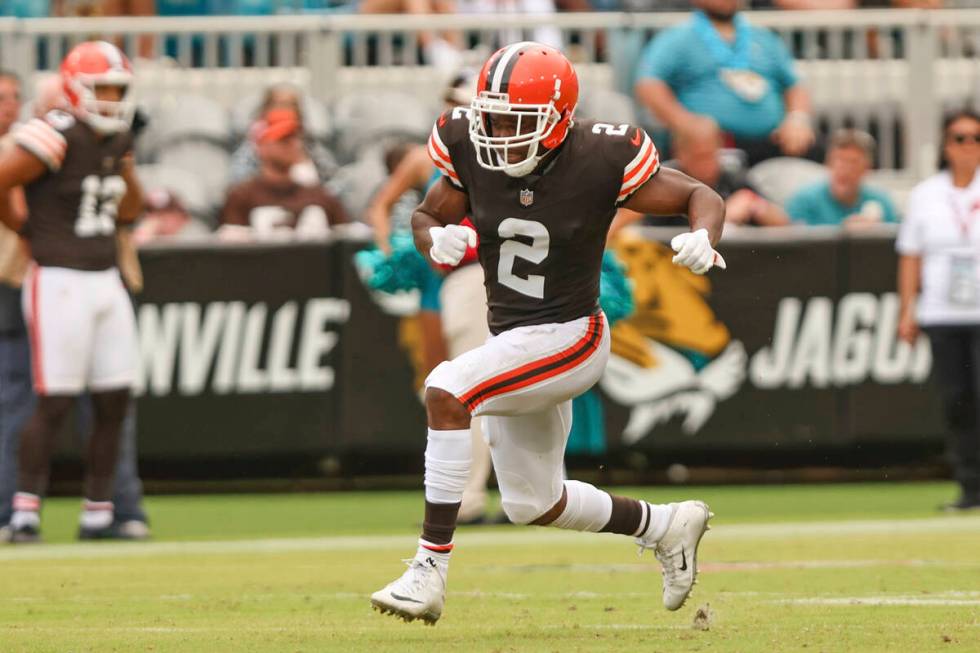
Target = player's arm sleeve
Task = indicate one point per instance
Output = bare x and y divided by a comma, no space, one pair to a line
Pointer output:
439,144
636,162
43,141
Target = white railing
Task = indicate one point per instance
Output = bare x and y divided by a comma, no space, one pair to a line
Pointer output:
893,72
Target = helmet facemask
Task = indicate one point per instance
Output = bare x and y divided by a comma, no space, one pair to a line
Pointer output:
104,116
534,124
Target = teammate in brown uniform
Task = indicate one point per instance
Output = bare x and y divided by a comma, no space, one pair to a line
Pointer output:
77,172
542,191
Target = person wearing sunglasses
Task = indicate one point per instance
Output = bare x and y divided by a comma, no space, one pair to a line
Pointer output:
939,286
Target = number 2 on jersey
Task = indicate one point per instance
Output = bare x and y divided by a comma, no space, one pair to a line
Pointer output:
536,252
98,206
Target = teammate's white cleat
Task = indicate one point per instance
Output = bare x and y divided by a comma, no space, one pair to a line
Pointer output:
420,593
677,550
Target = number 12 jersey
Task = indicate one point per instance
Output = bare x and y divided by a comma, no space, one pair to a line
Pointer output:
72,207
542,235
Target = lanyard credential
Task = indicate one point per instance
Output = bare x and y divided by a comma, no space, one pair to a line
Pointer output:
963,219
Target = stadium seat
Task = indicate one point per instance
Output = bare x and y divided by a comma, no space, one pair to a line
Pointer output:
778,179
180,182
195,117
206,161
365,117
607,105
356,182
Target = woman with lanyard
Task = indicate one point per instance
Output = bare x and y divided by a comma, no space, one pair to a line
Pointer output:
939,286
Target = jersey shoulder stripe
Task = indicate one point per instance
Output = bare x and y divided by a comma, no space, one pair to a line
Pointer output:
447,133
641,168
439,154
43,141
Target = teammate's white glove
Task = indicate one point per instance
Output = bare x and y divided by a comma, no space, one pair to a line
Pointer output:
449,243
694,251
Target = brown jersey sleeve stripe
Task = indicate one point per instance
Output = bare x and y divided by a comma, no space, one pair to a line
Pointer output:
539,370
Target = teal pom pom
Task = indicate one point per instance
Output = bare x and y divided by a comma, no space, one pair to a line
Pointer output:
404,269
615,289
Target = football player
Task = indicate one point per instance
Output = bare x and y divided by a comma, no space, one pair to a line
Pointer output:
76,169
541,189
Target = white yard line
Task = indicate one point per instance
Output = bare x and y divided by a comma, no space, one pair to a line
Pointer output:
501,537
881,600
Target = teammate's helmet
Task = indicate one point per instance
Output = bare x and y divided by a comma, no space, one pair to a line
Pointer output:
98,63
534,83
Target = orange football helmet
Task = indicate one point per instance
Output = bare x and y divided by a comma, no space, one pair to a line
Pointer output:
92,64
534,84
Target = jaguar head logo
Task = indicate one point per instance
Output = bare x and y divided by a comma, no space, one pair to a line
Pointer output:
672,357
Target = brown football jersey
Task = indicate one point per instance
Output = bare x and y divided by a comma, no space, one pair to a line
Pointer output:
267,206
542,235
71,209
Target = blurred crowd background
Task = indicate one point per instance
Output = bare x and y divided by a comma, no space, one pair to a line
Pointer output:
285,120
224,110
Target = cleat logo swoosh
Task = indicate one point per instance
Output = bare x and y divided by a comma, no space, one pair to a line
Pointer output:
399,597
683,561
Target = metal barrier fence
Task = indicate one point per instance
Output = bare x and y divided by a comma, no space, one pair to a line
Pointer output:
893,72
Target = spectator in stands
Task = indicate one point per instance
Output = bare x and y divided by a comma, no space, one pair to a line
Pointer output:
718,64
843,198
698,154
95,8
166,217
279,202
939,287
547,34
317,161
440,49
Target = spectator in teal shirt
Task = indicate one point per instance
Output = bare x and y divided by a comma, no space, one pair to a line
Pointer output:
843,198
719,65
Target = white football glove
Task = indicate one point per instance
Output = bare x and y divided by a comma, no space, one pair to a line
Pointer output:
449,243
694,251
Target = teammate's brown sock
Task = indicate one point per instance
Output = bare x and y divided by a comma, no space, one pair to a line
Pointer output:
440,522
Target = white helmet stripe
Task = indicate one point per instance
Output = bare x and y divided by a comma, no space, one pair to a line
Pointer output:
112,55
501,66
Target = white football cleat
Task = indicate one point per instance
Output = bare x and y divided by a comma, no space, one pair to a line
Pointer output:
419,593
677,551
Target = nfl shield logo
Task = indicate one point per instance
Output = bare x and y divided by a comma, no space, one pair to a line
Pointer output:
527,197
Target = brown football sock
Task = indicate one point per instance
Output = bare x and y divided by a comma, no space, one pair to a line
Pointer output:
629,516
440,522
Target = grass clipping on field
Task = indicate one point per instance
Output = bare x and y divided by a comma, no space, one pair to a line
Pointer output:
703,618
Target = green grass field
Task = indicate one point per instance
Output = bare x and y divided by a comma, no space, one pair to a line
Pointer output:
786,568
